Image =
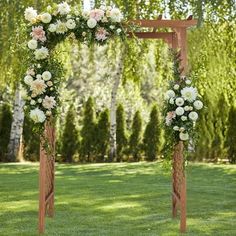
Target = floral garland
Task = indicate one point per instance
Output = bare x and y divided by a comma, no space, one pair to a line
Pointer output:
182,105
42,79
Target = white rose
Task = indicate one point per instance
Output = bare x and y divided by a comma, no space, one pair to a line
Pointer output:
193,115
179,111
184,118
46,75
70,24
198,105
184,136
52,28
91,23
176,128
46,18
37,115
176,87
179,102
28,79
32,44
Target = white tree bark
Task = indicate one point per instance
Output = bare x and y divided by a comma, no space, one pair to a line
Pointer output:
115,87
16,127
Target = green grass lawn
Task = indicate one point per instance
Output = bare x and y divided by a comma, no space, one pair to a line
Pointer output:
118,200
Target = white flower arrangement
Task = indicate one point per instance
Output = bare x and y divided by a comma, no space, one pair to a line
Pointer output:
47,29
182,107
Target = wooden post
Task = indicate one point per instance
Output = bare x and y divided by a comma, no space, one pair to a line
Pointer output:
46,176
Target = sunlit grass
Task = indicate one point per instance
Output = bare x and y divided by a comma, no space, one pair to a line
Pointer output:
118,200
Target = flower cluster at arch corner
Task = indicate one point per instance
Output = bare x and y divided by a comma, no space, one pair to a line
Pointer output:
58,22
182,108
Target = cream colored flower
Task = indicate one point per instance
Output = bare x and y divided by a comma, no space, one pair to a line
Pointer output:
46,18
30,14
70,24
46,75
91,23
32,44
37,115
63,8
38,86
41,53
49,102
61,27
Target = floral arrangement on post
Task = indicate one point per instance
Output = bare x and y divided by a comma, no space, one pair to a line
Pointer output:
46,30
182,106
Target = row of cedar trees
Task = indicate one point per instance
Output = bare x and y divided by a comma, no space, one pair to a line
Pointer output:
91,143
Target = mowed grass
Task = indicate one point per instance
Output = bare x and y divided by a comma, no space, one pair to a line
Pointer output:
128,199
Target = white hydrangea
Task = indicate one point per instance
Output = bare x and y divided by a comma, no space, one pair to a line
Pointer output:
91,23
30,14
37,115
179,102
52,28
193,115
63,8
46,18
32,44
116,15
41,53
61,27
179,111
70,24
198,105
183,136
189,93
28,79
46,75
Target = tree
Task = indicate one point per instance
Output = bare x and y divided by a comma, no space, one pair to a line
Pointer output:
121,138
69,141
135,137
231,135
88,131
102,131
152,136
5,128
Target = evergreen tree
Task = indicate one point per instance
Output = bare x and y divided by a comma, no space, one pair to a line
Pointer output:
135,137
88,132
152,136
121,139
69,136
231,135
103,134
5,129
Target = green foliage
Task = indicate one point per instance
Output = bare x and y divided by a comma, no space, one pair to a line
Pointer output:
88,142
121,138
231,135
152,136
31,141
69,140
102,135
135,137
5,129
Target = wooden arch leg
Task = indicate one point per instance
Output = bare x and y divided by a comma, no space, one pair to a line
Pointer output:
46,176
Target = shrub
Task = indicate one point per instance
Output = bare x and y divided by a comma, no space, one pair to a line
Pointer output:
152,136
135,137
5,129
69,137
121,139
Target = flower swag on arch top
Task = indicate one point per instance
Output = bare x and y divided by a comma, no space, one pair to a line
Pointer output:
46,30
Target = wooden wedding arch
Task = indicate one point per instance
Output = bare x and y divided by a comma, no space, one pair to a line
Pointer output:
176,39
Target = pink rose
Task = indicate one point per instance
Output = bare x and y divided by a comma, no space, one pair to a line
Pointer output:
38,33
101,34
96,14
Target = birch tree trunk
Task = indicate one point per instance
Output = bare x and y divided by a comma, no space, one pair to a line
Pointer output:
16,127
115,87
